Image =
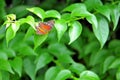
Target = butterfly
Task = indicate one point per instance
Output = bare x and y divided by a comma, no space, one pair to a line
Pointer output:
44,27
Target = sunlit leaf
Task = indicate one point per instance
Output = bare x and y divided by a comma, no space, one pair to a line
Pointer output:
74,31
11,17
52,13
102,31
63,75
38,11
91,18
10,34
83,13
39,39
89,75
61,27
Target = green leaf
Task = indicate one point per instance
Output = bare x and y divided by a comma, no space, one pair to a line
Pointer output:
83,13
80,11
89,75
30,20
29,68
65,58
92,4
74,31
10,34
17,65
104,10
5,65
29,33
10,52
39,39
1,76
63,75
11,17
98,57
77,68
26,50
38,11
5,75
61,27
52,13
115,63
43,60
3,55
107,63
118,74
54,50
73,7
19,10
114,44
66,16
51,73
102,31
115,16
15,26
92,19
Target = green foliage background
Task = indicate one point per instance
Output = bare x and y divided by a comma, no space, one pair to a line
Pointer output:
83,44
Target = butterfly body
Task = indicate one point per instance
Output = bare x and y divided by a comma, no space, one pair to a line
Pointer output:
44,27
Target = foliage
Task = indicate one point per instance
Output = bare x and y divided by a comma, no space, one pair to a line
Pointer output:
81,45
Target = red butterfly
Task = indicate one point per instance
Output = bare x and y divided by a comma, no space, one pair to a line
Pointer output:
44,27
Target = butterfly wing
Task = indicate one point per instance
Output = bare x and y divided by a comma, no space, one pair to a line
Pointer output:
44,27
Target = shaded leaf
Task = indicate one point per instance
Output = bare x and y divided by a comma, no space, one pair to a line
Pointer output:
43,60
115,63
3,55
77,68
5,65
39,39
118,74
89,75
29,68
51,73
107,63
17,65
63,75
92,4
